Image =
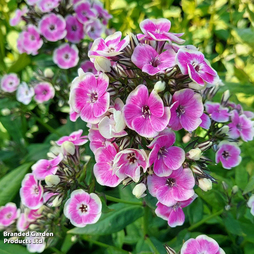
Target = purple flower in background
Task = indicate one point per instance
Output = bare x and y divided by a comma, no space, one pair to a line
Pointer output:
241,126
174,188
83,208
18,16
66,56
52,27
34,246
102,14
24,93
146,113
47,5
146,58
10,82
157,29
88,66
31,2
75,29
94,29
206,121
193,62
43,91
164,156
228,154
173,214
8,214
217,112
182,113
84,11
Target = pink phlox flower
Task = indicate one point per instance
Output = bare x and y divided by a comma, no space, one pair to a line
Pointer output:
164,156
217,112
146,113
174,214
102,14
52,27
127,163
36,243
29,40
66,56
157,29
89,97
22,223
113,125
202,244
241,126
47,5
182,113
75,29
44,91
84,11
8,214
33,215
83,208
250,204
111,46
18,16
31,192
193,62
47,198
228,154
88,66
43,168
94,28
31,2
24,93
176,187
75,138
103,169
146,58
9,82
206,121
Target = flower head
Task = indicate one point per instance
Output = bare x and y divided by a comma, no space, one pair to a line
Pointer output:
75,138
24,93
18,16
47,5
94,29
84,11
102,14
83,208
9,82
217,112
145,113
75,29
88,66
43,91
8,214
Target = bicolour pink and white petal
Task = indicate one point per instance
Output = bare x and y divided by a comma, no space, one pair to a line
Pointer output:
10,82
47,5
217,112
31,192
128,163
145,113
43,92
96,140
24,93
206,121
75,137
43,167
88,66
22,223
32,246
18,16
8,214
94,28
75,29
84,11
228,154
52,27
202,244
182,113
174,188
83,208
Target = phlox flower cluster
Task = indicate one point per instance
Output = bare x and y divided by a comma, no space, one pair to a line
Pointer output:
71,22
149,87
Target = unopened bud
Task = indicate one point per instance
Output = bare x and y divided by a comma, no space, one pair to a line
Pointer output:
5,112
139,190
235,189
205,145
33,226
227,207
197,170
57,201
225,98
169,250
167,98
127,181
52,180
124,143
102,64
223,130
68,148
194,154
205,184
196,86
48,73
50,215
159,86
225,186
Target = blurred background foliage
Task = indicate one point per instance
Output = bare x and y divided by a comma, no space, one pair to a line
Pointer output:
224,31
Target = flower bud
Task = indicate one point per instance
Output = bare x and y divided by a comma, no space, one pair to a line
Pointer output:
139,190
127,181
196,86
159,86
225,98
33,226
205,184
124,143
225,186
197,170
223,131
50,215
48,73
52,180
102,64
5,112
68,148
227,207
194,154
167,98
169,250
205,145
57,201
235,189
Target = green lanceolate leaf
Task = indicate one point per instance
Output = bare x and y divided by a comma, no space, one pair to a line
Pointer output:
121,216
250,186
6,248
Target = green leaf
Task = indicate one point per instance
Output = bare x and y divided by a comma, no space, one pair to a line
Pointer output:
118,239
251,17
23,61
11,183
250,186
67,244
112,222
245,35
195,211
241,176
6,248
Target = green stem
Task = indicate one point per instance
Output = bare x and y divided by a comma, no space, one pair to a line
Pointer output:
145,220
151,245
205,219
118,200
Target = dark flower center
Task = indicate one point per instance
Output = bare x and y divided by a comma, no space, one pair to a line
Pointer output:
44,92
171,182
94,97
180,110
111,49
163,151
32,38
36,190
8,216
131,157
225,154
83,208
52,27
11,83
239,126
74,28
66,56
146,111
155,62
